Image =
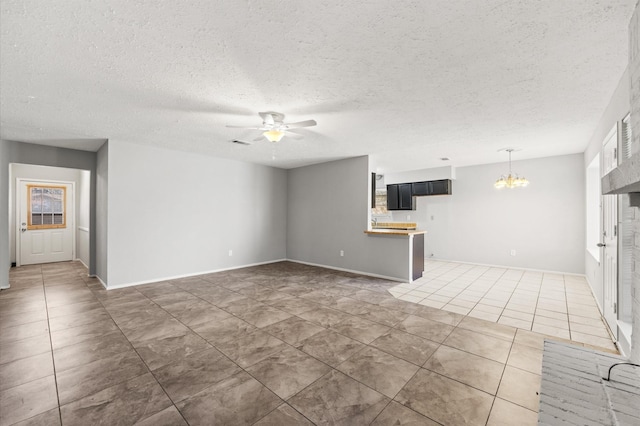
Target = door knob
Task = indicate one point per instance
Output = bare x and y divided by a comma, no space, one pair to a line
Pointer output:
601,244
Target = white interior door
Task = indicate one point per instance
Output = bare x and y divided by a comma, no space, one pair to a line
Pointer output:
46,222
610,259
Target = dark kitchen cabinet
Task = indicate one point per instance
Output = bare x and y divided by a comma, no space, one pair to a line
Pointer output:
399,197
420,188
440,187
432,187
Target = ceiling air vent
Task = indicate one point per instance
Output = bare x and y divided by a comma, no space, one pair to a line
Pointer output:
239,142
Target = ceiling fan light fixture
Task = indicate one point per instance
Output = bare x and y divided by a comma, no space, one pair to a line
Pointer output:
273,135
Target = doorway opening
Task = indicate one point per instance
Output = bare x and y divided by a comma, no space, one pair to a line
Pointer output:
49,214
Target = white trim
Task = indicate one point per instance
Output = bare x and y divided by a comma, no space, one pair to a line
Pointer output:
83,229
175,277
100,280
353,271
84,264
509,267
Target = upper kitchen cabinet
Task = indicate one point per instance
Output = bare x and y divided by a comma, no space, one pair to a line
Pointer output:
440,187
399,197
432,187
420,188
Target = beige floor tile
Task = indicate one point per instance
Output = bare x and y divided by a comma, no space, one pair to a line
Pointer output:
445,400
479,344
594,322
517,314
520,387
489,328
397,414
599,331
529,338
505,413
551,314
472,370
432,303
461,302
492,317
525,358
491,305
456,309
557,323
528,308
593,340
514,322
550,330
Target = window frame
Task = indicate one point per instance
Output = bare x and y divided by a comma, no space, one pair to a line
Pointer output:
30,225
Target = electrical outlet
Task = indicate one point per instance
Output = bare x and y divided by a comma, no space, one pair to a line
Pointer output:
513,252
230,252
341,253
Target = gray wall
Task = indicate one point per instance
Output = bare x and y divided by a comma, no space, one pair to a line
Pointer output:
543,222
173,213
101,181
18,152
5,261
328,211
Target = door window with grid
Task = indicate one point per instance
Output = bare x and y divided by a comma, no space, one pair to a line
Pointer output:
47,207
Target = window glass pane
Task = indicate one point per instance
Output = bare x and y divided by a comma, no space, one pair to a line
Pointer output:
47,219
36,219
36,200
58,219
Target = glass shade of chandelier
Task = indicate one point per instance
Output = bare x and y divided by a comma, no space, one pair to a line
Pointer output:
511,180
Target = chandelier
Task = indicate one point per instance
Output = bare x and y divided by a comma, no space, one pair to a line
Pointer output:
511,180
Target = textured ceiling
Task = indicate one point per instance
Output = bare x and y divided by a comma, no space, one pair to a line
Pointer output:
407,81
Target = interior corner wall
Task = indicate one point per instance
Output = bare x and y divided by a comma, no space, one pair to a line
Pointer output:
5,261
100,179
543,223
328,211
174,213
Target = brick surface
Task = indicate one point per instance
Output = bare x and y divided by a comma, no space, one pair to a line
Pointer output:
572,390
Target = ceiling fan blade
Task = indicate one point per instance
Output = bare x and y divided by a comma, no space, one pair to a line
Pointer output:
297,125
245,127
270,117
259,138
293,135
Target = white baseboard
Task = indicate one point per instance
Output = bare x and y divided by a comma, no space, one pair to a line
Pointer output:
505,267
175,277
353,271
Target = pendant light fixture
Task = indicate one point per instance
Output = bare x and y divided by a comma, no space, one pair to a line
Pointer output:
511,180
273,135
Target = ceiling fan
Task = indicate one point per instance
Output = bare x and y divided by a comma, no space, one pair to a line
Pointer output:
274,128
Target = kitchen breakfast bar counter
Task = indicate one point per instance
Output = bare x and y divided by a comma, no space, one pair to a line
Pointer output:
415,245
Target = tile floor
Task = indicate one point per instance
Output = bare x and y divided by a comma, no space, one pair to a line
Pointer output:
553,304
280,344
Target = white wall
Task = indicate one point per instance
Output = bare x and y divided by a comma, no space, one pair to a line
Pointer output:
328,211
421,175
81,178
83,225
174,213
543,222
